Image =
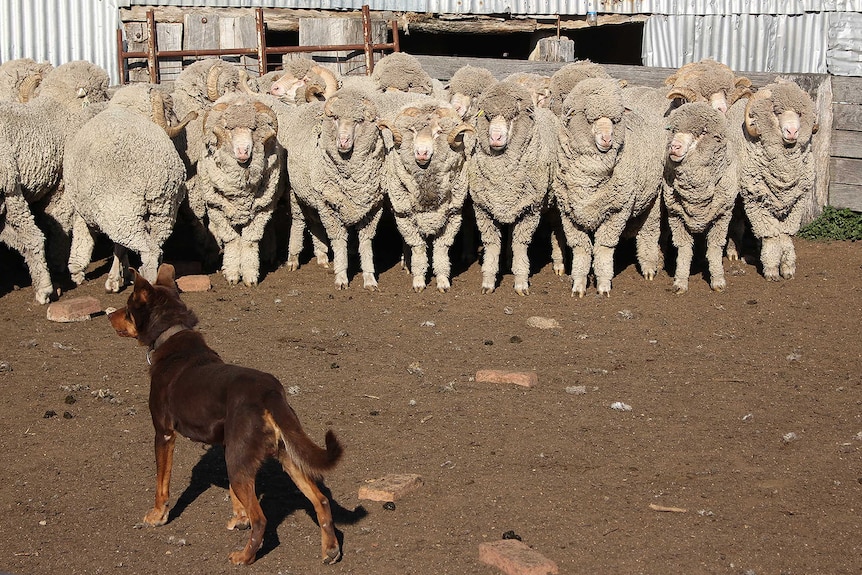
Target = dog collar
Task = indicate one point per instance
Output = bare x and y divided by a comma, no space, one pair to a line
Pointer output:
163,337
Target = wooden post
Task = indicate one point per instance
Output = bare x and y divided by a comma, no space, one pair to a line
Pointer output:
366,34
152,48
261,42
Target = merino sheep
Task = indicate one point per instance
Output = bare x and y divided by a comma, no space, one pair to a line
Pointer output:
304,80
427,184
20,79
239,173
336,168
510,174
464,88
707,81
609,178
538,85
125,178
32,140
777,169
567,77
402,72
700,188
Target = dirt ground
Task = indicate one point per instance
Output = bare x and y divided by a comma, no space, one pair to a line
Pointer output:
746,412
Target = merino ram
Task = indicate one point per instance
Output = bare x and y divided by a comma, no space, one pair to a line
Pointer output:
510,174
777,169
464,88
125,178
427,184
239,173
609,179
20,79
700,188
336,169
32,139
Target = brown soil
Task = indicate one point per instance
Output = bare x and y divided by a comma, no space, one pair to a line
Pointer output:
746,412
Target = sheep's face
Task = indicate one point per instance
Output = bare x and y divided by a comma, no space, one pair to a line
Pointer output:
596,103
503,105
718,101
603,133
345,118
423,130
237,124
461,103
696,126
781,112
287,87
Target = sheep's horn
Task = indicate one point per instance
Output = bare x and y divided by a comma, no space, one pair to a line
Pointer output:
212,83
312,92
327,108
456,136
448,113
243,82
750,123
411,112
28,87
157,100
742,89
262,108
686,94
329,78
396,135
174,131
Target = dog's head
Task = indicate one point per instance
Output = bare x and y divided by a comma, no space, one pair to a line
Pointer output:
152,308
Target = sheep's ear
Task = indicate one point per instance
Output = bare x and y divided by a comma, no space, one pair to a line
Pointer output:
623,83
391,136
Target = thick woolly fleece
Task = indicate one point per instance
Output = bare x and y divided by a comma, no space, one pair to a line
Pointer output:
32,141
18,73
512,186
700,191
124,178
344,190
427,199
599,193
240,197
567,77
470,81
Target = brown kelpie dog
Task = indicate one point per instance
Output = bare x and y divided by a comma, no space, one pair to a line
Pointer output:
193,392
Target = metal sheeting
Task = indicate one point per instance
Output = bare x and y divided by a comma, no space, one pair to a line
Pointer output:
59,31
844,56
545,7
762,43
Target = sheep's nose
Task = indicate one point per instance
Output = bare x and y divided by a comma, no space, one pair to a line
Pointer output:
791,134
242,153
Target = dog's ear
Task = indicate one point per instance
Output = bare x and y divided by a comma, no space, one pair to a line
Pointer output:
166,276
142,289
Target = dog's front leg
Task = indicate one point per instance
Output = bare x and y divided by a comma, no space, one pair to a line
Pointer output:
158,515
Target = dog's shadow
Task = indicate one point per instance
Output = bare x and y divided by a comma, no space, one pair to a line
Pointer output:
278,495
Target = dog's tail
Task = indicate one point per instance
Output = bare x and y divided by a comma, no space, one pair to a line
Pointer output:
312,459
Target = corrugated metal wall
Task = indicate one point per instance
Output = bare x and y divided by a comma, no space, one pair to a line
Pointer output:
59,31
844,56
761,43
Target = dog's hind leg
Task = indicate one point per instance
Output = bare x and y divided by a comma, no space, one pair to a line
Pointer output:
239,519
330,549
243,492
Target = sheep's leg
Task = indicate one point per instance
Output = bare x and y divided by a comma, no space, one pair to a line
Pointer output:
607,236
21,234
419,265
770,257
81,251
736,232
684,243
337,233
522,235
647,242
117,274
716,237
491,235
249,263
788,257
441,246
297,233
558,240
231,260
366,230
582,255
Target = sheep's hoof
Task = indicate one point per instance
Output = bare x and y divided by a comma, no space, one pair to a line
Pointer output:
323,260
43,295
559,270
788,272
579,293
719,286
77,277
250,283
443,284
649,275
292,263
522,291
679,289
487,289
112,285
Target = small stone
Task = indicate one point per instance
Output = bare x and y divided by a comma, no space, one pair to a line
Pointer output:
620,406
194,283
70,399
576,389
391,487
542,322
49,414
524,379
5,366
515,339
74,309
389,506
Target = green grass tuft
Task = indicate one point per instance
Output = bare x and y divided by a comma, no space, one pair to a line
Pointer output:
834,224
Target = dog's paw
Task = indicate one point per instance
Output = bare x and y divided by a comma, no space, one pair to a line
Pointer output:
241,558
332,556
156,517
238,523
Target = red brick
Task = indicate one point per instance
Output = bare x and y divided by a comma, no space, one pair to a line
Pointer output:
514,557
74,309
194,283
391,487
524,378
